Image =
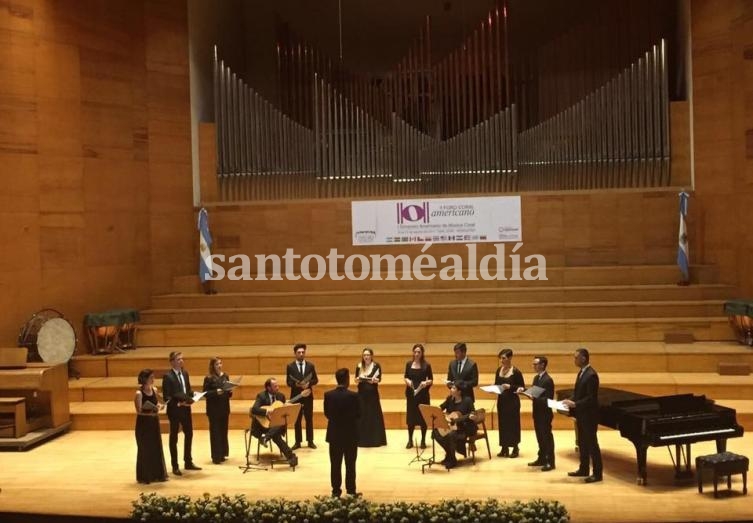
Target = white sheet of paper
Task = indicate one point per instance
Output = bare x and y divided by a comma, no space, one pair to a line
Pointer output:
557,405
198,395
494,389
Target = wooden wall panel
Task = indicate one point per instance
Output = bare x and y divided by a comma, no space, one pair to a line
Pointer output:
587,228
77,105
723,107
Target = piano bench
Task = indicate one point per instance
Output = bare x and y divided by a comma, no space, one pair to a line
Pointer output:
722,464
17,408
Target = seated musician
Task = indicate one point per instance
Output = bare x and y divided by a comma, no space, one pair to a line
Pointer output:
260,409
459,410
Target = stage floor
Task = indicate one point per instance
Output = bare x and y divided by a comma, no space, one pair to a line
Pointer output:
92,473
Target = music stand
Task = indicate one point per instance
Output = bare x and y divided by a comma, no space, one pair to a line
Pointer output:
437,418
280,417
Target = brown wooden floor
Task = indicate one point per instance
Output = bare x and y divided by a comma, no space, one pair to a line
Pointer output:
93,473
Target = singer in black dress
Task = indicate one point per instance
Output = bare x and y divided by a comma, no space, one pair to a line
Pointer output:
150,458
371,432
508,404
218,410
418,377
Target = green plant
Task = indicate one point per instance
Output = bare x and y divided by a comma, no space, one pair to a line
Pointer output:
223,508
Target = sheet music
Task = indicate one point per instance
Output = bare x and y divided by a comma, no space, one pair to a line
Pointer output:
494,389
198,395
557,405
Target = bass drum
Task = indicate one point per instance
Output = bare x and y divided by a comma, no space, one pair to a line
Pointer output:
49,337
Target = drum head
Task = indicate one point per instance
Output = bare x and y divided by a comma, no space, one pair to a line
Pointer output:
56,341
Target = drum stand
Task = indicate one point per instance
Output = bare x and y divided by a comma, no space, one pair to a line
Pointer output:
249,466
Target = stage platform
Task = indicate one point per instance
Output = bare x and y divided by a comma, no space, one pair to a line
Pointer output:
92,473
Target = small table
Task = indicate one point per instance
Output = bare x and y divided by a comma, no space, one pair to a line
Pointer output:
722,464
111,331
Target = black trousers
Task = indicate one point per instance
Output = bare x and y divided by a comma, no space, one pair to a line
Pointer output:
307,411
588,446
545,438
218,442
276,435
336,455
180,418
452,442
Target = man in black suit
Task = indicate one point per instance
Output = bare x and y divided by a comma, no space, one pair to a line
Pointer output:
176,389
584,405
542,415
301,375
463,372
265,398
342,410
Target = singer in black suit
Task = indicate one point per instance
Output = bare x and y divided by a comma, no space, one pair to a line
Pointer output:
463,372
299,371
585,407
342,410
218,410
542,415
176,388
265,398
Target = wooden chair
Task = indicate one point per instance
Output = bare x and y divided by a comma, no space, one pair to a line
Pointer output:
479,417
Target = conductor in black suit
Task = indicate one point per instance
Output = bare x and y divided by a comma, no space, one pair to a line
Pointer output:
176,388
585,407
463,371
542,415
301,375
265,398
342,410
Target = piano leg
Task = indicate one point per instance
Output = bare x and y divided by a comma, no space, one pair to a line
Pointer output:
721,445
641,451
682,458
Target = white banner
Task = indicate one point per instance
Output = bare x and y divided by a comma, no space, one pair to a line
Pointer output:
437,220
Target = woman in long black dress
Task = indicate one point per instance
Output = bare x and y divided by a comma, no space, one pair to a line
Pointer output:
508,404
368,374
150,459
218,410
418,379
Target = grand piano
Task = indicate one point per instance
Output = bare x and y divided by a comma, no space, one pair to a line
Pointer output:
657,421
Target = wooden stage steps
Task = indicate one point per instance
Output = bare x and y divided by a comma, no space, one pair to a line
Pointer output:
621,313
102,398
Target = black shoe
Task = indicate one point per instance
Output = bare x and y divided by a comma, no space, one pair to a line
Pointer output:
217,461
578,474
177,471
547,468
409,445
593,479
503,453
312,445
537,463
515,452
423,444
450,464
355,494
296,446
293,460
191,466
335,495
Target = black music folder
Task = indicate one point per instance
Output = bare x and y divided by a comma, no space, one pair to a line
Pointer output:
534,392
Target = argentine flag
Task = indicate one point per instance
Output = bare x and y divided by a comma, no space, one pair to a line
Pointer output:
682,239
205,242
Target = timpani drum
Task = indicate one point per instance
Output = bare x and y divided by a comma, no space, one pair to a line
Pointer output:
49,337
112,331
740,314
